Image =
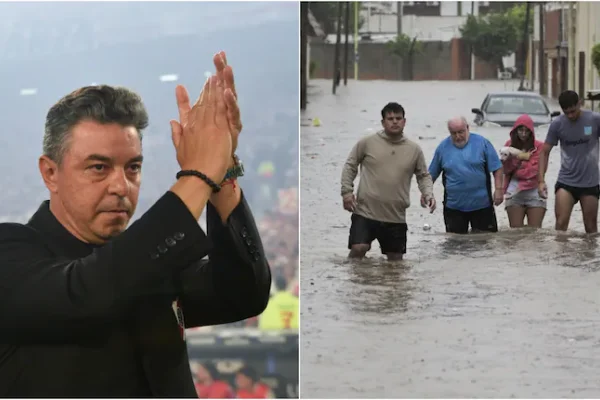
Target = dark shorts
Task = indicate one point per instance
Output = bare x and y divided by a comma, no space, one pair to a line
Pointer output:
483,220
578,192
391,236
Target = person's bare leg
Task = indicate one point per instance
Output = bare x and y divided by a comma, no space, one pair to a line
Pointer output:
359,250
516,216
563,207
394,256
589,210
535,216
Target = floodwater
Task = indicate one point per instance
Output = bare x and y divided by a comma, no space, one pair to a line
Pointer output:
512,314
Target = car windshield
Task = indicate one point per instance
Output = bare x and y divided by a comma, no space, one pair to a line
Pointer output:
516,105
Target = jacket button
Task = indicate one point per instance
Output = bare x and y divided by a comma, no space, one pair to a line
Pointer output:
154,256
170,242
162,249
244,232
179,235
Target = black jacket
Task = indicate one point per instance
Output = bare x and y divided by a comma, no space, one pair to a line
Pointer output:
78,320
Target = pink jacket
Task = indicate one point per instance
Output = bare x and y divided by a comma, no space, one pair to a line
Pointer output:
524,171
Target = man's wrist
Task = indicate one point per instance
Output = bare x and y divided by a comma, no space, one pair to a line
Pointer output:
235,169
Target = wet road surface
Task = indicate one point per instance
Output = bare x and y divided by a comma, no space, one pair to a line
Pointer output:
512,314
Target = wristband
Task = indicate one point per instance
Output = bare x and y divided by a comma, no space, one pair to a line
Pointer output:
215,188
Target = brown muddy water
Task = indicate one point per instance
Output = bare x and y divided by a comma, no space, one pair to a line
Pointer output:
512,314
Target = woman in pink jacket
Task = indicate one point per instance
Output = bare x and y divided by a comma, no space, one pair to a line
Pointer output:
520,176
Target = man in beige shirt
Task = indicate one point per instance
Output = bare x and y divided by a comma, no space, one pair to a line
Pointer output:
388,161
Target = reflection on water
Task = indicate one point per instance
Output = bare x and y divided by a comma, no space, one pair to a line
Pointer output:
379,287
510,314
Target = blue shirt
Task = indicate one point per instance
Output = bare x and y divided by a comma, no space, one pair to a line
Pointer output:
466,182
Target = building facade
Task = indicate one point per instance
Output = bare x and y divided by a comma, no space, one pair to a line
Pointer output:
584,33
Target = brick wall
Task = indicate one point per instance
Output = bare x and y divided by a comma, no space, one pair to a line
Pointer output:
439,61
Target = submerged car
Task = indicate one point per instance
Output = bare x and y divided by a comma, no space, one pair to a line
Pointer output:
503,109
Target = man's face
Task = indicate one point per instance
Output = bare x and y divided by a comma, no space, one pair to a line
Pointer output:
573,112
95,189
393,123
459,133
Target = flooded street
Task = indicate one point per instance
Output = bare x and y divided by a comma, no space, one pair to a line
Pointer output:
512,314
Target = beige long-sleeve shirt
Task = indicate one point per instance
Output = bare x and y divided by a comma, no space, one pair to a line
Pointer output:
387,166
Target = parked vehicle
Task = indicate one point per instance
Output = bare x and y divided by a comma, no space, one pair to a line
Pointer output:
503,109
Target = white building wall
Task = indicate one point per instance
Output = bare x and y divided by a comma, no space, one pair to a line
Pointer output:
382,17
587,34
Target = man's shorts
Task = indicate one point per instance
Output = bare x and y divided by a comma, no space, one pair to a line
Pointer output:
483,220
578,192
526,198
391,236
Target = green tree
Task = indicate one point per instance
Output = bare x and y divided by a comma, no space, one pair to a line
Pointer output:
516,15
491,37
596,57
406,48
326,14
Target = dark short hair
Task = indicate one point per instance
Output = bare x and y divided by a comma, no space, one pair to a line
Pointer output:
103,104
394,108
568,99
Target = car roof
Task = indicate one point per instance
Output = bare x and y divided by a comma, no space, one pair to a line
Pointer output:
515,94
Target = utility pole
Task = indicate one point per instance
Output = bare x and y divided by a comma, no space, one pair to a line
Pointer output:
542,60
471,52
336,59
356,12
524,46
303,55
400,13
572,46
346,45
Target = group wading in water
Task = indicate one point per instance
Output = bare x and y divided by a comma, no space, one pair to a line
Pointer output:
476,177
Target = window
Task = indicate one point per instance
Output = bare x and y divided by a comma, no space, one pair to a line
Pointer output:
516,105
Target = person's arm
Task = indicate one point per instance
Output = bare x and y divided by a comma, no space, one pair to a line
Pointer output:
234,283
435,167
422,174
48,299
350,169
549,143
494,165
228,198
499,179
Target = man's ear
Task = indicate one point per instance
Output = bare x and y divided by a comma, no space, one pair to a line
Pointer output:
49,172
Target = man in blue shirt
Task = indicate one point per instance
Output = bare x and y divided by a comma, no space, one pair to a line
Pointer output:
465,161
